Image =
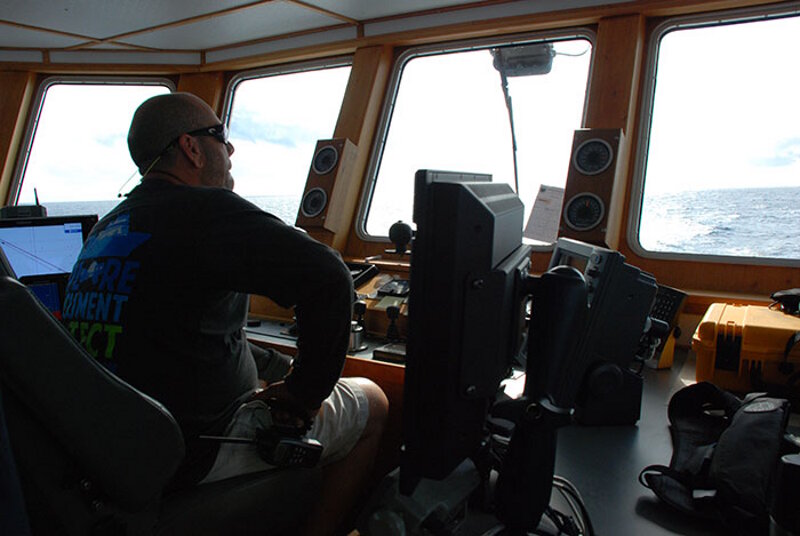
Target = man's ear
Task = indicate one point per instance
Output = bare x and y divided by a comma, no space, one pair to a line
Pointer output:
190,147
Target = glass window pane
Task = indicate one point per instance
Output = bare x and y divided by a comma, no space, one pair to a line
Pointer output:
723,165
275,122
450,114
79,160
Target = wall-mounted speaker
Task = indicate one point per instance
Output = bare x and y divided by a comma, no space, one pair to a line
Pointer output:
590,209
325,208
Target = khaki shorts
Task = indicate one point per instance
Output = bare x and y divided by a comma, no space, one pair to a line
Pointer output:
338,426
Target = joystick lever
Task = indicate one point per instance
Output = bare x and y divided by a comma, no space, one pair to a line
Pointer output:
392,333
360,309
400,234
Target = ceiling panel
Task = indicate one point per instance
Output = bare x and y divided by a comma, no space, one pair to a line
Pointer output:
477,13
308,40
250,24
103,18
271,19
12,36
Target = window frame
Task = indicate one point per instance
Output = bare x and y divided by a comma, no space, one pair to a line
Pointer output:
649,74
37,104
384,123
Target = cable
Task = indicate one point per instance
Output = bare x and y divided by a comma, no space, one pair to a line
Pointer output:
571,55
129,179
565,486
146,171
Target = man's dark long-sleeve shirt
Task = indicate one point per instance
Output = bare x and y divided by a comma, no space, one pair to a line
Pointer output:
159,295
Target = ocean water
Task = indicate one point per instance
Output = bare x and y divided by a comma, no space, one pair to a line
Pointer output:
748,222
752,222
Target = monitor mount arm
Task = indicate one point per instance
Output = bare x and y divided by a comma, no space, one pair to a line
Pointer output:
555,368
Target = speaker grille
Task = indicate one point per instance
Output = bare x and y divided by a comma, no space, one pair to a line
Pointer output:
593,156
584,211
325,160
313,202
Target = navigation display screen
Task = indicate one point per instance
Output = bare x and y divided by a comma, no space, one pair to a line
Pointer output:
43,246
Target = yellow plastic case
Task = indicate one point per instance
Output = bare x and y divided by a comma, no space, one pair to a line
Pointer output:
734,341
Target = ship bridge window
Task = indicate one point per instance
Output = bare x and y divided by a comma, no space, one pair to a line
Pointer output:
465,107
77,159
719,173
275,118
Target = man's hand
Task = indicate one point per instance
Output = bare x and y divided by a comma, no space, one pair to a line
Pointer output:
286,409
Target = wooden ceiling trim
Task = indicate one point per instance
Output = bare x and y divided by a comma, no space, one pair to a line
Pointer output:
324,11
127,46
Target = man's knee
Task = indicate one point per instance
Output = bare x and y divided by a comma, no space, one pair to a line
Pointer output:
378,405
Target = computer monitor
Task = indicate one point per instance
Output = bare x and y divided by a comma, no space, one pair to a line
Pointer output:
42,252
42,246
466,316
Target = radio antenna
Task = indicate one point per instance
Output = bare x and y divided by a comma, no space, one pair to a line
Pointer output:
36,196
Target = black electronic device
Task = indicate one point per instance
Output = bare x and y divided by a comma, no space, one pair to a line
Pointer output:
282,447
23,211
467,327
668,304
621,297
42,252
466,318
395,287
278,446
608,277
667,308
393,352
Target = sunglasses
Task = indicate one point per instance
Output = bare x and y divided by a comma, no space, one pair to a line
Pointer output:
218,132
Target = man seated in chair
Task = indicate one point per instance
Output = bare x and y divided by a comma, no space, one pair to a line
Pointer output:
159,295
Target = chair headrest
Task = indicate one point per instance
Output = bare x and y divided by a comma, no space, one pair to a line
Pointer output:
127,442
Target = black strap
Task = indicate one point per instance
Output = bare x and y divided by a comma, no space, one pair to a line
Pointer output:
695,400
790,344
661,470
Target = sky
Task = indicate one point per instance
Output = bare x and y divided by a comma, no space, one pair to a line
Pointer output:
275,124
450,115
743,81
738,81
